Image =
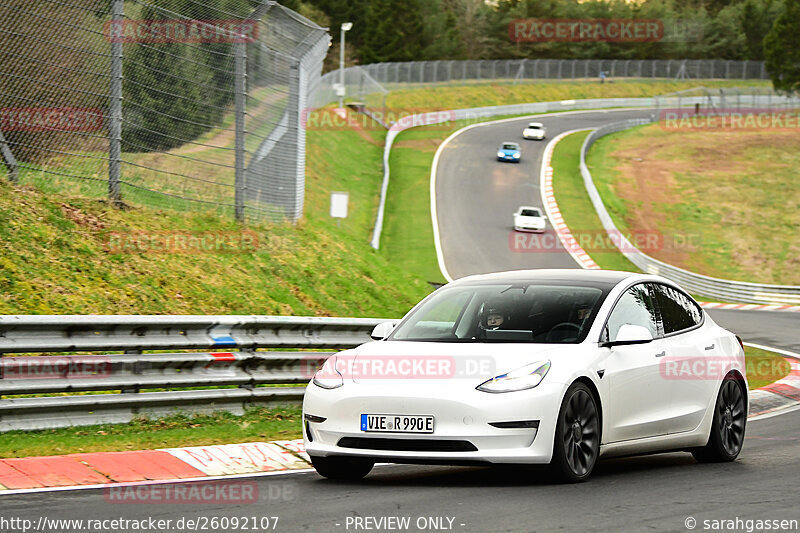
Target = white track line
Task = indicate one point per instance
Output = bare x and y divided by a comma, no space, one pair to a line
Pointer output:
577,253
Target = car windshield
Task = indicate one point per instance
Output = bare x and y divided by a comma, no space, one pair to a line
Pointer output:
510,146
535,126
530,213
510,312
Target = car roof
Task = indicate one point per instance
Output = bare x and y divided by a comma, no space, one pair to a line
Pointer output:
535,124
523,207
509,142
602,277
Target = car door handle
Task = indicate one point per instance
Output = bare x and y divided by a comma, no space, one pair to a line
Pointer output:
710,347
662,354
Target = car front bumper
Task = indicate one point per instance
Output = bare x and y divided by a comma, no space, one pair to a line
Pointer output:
461,415
532,229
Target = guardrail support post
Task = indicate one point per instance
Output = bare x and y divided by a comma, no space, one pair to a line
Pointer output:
240,88
10,161
115,108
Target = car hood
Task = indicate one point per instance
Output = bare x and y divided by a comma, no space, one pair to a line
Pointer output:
382,362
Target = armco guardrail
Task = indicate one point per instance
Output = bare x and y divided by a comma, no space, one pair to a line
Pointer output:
721,289
124,376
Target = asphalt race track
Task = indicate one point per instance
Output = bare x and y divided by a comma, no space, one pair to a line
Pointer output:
476,195
657,492
663,492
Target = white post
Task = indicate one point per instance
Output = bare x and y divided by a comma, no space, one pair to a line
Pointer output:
346,26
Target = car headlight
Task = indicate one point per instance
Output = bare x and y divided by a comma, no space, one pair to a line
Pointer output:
517,155
523,378
328,377
500,154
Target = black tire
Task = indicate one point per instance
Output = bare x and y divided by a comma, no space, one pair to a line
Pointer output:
342,468
577,442
727,426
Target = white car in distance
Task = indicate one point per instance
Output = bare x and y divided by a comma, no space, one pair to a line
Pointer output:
535,131
529,218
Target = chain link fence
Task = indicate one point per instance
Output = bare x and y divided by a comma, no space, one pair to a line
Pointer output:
518,70
181,104
726,101
370,83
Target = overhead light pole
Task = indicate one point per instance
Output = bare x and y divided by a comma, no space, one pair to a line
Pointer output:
346,26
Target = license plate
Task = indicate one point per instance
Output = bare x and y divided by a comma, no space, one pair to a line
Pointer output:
397,423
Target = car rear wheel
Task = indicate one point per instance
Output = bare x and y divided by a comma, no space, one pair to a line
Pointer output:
342,468
577,441
727,426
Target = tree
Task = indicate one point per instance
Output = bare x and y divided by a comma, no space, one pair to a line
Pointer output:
395,31
782,49
756,22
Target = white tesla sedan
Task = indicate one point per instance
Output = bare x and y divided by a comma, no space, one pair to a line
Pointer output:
556,367
528,218
534,130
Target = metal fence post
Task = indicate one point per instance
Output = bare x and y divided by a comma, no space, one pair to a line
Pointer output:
11,163
115,107
239,98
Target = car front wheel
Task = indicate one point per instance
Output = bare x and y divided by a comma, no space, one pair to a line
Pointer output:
577,441
342,468
727,426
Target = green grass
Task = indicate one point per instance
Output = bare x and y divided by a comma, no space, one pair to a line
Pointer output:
344,161
709,195
576,207
461,96
407,237
764,367
56,260
257,424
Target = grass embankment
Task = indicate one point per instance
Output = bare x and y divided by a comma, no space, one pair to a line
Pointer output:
726,202
58,255
576,207
463,96
258,424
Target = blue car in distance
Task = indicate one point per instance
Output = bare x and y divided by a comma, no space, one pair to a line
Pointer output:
509,151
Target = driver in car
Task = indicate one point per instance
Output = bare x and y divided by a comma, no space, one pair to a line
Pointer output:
492,316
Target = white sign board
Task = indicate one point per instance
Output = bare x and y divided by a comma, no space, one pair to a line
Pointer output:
339,204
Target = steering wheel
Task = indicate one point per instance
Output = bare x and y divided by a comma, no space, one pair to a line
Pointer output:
564,326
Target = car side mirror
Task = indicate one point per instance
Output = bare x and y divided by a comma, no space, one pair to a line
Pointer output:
630,334
382,330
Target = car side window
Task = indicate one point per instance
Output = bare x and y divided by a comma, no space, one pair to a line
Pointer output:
678,311
634,307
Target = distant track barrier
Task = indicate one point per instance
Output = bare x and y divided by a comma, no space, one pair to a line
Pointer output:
716,288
